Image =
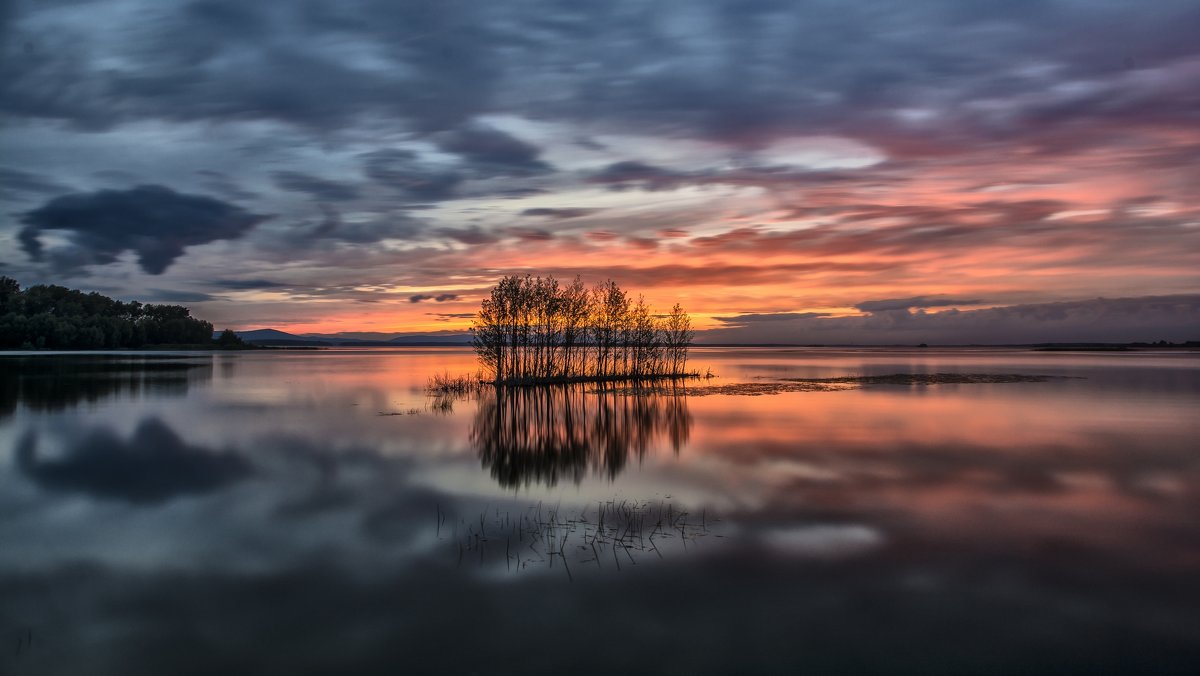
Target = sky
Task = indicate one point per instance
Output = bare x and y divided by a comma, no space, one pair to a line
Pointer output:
801,172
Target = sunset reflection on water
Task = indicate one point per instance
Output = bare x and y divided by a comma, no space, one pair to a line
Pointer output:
166,498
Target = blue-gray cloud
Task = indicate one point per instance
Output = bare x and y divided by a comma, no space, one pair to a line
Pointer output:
153,221
320,189
15,183
1114,320
491,152
914,302
711,68
245,284
558,213
438,298
753,317
404,172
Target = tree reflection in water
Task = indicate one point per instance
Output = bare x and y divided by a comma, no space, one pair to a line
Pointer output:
545,433
58,383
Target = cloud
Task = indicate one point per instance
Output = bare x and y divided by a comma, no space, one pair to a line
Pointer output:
218,61
1111,320
333,227
749,318
712,71
439,298
914,302
558,213
14,182
319,189
491,152
632,173
404,172
154,465
153,221
225,186
245,284
450,316
531,234
471,235
175,296
750,122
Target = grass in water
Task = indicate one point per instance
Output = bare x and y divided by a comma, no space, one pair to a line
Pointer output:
461,385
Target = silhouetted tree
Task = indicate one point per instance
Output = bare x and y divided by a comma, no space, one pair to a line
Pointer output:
51,316
229,339
533,329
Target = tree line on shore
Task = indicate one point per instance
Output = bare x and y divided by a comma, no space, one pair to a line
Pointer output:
534,329
55,317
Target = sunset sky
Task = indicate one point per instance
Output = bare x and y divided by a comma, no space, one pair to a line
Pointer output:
836,172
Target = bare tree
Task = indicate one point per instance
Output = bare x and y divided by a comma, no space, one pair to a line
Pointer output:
532,329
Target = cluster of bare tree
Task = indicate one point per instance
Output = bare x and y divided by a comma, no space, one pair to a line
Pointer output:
533,329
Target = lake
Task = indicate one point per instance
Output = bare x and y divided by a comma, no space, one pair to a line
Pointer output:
806,511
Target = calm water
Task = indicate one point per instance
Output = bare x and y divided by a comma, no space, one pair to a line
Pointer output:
316,512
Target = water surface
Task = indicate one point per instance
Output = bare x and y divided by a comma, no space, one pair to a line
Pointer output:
317,512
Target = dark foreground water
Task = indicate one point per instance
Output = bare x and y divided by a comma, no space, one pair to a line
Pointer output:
317,513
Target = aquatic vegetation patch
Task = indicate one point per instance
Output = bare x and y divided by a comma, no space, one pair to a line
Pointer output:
760,389
610,534
930,379
857,382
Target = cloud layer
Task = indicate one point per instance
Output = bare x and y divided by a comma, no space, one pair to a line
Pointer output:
1115,320
815,158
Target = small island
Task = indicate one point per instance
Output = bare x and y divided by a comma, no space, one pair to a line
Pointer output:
534,330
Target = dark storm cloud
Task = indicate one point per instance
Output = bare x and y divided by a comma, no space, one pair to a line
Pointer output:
319,189
152,466
914,302
155,222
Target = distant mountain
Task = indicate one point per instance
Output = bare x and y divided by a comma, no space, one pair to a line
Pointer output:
277,337
441,338
351,337
266,334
